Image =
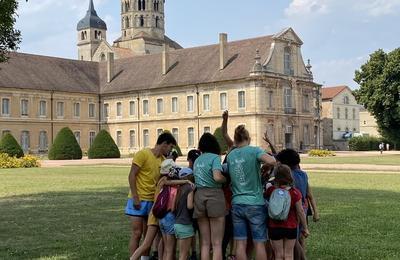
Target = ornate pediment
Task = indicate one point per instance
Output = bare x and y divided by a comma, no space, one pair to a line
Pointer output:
288,35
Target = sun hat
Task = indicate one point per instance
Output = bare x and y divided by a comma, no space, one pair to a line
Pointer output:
166,166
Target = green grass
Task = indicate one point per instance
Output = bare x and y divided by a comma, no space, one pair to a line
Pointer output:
77,213
375,160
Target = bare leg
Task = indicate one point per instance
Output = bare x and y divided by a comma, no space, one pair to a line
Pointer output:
270,252
137,231
241,249
288,245
160,247
277,245
205,240
217,226
299,253
146,245
261,254
184,248
169,247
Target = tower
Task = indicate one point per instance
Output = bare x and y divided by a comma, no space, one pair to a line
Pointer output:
91,31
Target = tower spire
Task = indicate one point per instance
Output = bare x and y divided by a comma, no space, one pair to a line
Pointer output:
91,9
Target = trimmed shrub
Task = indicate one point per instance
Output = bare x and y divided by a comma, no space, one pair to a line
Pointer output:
10,146
103,147
28,161
320,153
364,143
65,146
221,140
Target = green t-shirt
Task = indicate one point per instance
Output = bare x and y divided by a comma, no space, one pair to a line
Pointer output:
203,170
244,169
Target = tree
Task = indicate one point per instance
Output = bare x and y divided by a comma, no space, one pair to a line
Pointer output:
10,146
65,146
103,147
220,138
9,36
379,91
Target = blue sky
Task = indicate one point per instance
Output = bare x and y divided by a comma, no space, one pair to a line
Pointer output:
338,35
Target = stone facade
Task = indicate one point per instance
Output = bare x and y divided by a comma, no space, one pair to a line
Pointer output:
368,125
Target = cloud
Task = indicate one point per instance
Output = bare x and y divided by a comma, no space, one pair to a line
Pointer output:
377,8
307,7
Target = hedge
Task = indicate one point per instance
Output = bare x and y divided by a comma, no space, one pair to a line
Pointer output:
364,143
65,146
103,147
10,146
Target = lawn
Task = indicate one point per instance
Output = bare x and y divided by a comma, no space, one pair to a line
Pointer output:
77,213
376,160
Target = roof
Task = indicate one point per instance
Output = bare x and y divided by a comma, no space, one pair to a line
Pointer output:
329,93
91,20
187,66
123,52
27,71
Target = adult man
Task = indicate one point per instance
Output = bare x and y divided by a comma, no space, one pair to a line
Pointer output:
143,178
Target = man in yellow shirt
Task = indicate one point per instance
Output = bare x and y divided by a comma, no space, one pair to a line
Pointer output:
143,178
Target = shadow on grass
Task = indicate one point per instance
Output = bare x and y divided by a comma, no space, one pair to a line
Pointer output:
65,225
355,224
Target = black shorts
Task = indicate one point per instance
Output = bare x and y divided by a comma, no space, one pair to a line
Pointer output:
281,233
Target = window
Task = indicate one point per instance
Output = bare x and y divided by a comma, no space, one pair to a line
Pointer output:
287,102
141,21
106,110
354,129
77,109
241,99
190,137
175,133
354,113
222,102
92,110
207,129
156,5
346,100
346,113
270,99
160,106
102,57
306,135
159,131
146,138
119,109
157,21
287,61
132,108
42,108
24,107
5,106
119,138
206,102
190,104
42,141
306,103
60,109
126,22
77,135
338,112
25,141
145,107
132,138
174,105
142,5
92,135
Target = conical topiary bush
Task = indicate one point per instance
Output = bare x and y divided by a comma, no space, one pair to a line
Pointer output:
10,146
103,147
65,146
221,140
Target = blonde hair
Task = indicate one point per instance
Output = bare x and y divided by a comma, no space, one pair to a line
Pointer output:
241,134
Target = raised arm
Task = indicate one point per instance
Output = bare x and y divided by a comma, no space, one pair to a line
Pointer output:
268,141
224,128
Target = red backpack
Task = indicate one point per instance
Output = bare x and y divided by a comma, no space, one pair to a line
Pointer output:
160,208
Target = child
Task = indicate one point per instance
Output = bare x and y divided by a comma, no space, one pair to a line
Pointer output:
184,230
283,234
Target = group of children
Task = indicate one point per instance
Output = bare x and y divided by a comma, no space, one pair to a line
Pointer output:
253,201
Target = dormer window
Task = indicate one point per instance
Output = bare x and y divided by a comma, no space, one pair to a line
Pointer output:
287,61
346,100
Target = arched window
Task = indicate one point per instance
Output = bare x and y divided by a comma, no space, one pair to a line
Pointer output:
82,35
99,35
141,5
157,21
126,6
346,100
95,34
126,22
144,5
141,21
85,35
156,5
287,61
102,57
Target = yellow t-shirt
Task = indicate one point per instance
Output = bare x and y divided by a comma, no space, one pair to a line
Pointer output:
148,175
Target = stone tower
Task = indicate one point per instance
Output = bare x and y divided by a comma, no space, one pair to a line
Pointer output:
91,32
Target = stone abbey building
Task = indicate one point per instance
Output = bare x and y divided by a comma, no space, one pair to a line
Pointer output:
145,83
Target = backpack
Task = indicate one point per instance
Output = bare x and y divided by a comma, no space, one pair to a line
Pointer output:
160,208
279,204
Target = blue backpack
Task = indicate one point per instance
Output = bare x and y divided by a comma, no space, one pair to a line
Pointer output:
279,204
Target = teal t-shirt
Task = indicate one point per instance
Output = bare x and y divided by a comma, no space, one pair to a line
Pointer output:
244,169
203,170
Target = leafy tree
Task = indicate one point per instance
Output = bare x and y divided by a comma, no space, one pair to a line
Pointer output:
379,91
9,36
10,146
103,147
221,140
65,146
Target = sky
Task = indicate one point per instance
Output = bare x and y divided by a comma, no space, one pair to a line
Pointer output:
338,35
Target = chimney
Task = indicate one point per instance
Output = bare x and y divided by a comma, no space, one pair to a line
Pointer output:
110,66
223,40
165,59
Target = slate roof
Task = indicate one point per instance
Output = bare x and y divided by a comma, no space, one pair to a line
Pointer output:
91,20
329,93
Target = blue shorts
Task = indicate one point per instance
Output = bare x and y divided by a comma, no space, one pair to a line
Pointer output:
252,217
167,224
145,208
183,231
